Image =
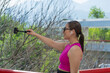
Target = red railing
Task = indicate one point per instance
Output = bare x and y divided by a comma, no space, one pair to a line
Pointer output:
99,40
97,70
15,71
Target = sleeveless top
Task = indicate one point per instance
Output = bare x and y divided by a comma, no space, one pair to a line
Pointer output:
64,59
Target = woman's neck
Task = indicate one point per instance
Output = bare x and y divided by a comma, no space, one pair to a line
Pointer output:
73,40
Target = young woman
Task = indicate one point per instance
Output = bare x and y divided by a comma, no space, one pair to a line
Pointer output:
72,51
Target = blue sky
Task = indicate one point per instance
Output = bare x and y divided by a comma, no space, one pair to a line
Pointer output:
15,2
81,4
87,4
82,7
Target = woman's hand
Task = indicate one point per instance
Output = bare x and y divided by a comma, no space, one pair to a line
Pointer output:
31,32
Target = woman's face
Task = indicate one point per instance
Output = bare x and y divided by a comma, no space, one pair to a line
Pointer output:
66,32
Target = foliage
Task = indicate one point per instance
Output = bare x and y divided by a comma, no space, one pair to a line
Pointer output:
99,33
20,51
96,13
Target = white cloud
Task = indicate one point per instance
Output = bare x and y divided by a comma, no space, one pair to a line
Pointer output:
37,0
16,2
80,1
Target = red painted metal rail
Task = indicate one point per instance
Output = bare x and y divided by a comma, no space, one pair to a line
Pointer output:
99,40
97,70
15,71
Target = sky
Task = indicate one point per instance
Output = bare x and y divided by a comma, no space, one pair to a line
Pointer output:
87,4
15,2
80,6
83,7
80,1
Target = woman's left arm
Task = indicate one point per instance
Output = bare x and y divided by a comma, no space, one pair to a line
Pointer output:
75,55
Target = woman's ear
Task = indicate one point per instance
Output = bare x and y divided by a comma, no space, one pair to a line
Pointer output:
71,32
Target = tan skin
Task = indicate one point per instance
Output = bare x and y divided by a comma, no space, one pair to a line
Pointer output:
75,53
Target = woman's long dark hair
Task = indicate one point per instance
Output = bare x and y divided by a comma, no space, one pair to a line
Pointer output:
77,27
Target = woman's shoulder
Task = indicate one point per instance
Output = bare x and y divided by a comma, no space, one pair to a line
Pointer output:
76,49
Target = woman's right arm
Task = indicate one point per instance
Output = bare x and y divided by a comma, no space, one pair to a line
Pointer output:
57,45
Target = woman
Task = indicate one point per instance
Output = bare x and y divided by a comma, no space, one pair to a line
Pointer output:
72,51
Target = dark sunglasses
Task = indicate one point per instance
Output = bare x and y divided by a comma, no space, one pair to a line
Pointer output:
64,29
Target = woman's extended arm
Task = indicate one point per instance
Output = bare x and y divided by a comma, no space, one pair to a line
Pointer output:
57,45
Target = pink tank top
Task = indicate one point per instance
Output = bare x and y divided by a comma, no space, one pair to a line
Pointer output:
64,60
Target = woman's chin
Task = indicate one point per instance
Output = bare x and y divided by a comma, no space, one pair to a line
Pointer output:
65,38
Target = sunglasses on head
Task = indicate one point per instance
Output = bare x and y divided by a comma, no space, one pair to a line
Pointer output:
64,29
